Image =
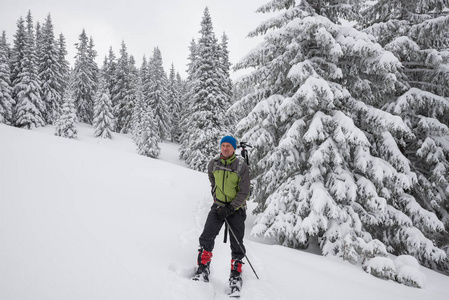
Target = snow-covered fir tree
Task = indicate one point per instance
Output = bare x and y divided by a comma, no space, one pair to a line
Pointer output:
148,144
124,92
174,104
185,100
6,100
109,74
18,51
135,86
38,41
85,74
64,66
180,86
4,43
137,111
182,89
92,55
205,121
144,129
49,72
93,67
227,85
416,32
245,95
29,109
103,117
66,124
327,160
156,92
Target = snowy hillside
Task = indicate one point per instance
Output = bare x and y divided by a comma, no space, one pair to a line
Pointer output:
89,219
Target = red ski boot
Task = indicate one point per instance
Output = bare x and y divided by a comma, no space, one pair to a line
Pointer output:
203,271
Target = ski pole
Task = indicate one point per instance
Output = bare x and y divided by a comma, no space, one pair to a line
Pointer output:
241,248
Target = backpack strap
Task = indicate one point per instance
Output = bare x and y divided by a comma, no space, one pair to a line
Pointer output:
216,164
240,163
238,171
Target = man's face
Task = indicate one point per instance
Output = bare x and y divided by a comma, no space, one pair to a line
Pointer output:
227,150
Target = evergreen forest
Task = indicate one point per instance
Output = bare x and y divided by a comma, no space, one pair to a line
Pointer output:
345,104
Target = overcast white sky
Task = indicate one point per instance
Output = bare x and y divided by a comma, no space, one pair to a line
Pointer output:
142,24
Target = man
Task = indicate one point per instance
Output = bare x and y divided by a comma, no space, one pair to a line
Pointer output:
230,183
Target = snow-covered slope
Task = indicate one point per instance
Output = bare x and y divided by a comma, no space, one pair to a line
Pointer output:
90,219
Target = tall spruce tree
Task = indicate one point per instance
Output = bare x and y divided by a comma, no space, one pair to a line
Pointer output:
174,104
6,100
244,94
109,73
155,90
144,129
84,78
416,32
124,94
64,66
29,107
66,123
226,86
4,43
181,87
328,165
205,123
135,88
137,111
148,142
49,72
38,41
186,101
93,67
18,51
103,117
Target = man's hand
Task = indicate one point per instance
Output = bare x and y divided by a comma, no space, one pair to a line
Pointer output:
224,212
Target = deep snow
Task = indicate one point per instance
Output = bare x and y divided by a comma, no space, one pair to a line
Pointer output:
91,219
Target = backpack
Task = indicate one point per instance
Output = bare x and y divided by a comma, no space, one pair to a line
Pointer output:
238,171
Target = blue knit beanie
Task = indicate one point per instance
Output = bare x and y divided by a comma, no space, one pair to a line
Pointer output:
229,139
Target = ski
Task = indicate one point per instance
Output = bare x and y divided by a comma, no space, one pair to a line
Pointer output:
235,286
233,292
202,274
203,277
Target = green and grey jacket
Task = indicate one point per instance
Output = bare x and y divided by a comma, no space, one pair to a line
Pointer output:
229,181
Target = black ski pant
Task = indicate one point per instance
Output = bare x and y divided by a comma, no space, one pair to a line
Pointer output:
213,226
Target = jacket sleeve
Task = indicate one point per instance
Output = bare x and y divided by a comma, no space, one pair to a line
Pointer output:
244,185
211,176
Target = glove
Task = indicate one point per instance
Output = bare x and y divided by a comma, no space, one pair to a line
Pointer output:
224,212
